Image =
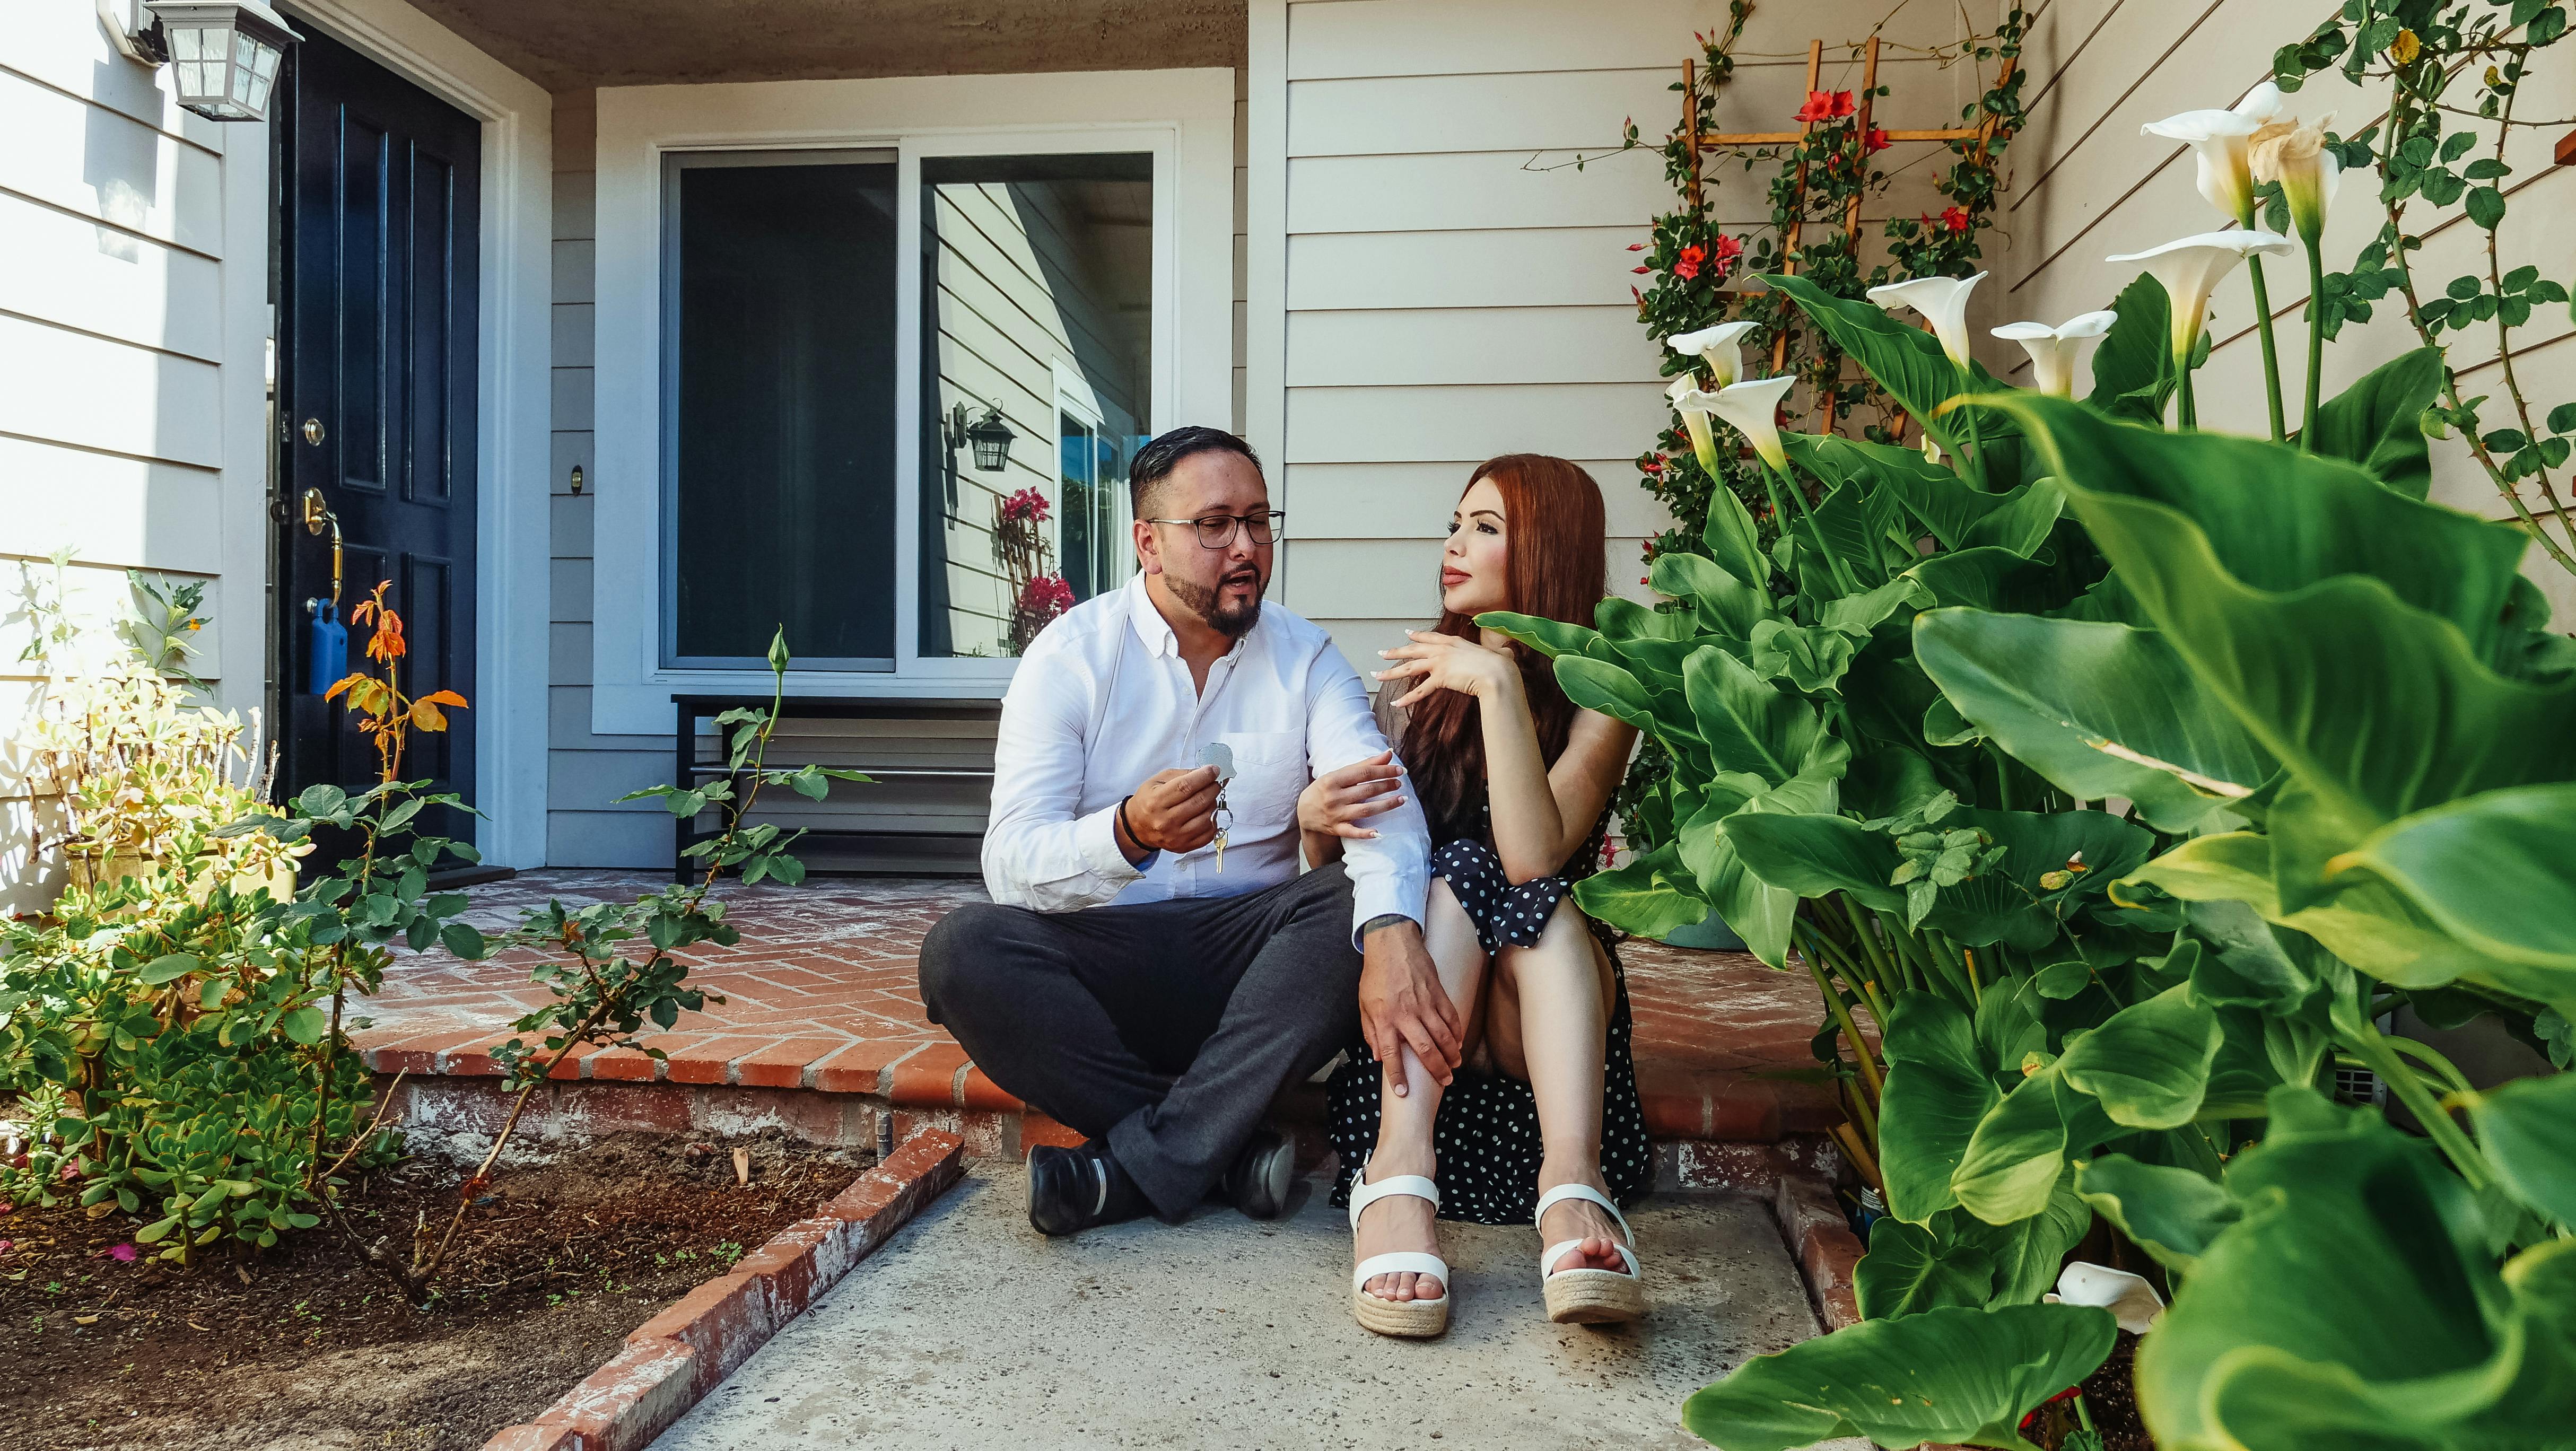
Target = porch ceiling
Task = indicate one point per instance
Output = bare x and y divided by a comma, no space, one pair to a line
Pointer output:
568,45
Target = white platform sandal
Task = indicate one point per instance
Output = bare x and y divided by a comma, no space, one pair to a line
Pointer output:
1411,1319
1588,1296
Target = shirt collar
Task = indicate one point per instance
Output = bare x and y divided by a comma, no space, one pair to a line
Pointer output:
1151,627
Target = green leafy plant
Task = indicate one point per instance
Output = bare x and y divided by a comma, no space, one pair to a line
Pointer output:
2452,70
612,968
2347,743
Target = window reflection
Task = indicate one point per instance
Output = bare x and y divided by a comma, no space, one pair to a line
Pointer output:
1037,295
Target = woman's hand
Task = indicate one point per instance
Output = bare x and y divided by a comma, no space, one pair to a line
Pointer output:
1339,800
1434,661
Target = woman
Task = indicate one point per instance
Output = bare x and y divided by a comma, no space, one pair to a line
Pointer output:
1542,1121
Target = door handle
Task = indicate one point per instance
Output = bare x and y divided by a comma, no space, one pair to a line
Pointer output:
317,517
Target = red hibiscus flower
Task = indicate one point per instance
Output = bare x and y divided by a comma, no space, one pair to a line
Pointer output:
1686,266
1955,219
1826,106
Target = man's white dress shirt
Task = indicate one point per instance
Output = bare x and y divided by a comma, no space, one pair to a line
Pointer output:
1103,700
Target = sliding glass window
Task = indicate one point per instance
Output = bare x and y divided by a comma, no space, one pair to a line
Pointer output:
1037,296
779,379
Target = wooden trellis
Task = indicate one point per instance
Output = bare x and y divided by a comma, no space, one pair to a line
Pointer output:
1982,134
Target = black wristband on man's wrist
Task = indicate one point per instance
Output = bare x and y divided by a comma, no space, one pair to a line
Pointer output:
1383,919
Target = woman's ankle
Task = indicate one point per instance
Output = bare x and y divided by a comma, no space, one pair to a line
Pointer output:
1389,1159
1551,1174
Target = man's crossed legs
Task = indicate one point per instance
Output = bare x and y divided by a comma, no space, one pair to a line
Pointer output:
1162,1030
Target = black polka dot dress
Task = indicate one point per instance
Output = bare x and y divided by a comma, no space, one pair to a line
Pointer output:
1487,1134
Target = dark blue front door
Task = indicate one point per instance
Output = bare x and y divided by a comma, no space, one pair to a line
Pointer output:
379,187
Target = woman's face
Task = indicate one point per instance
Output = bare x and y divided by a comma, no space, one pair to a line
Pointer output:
1474,573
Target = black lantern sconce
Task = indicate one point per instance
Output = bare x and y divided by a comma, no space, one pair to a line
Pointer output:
223,57
988,437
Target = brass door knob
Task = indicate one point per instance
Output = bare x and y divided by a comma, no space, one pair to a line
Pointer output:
313,431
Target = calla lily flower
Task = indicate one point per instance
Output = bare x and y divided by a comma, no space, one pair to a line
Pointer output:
2131,1299
2221,141
1942,299
2192,267
2295,155
1751,409
1682,393
1720,347
2052,349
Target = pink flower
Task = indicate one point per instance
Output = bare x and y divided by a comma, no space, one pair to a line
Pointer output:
1046,597
1027,504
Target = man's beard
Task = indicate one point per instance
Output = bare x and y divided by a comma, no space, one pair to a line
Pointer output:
1232,621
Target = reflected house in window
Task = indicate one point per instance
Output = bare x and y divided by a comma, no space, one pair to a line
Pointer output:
1037,299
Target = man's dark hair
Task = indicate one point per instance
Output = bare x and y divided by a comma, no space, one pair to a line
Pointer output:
1160,455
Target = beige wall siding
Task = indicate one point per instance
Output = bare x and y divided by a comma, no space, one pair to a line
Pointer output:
131,378
1453,288
2089,185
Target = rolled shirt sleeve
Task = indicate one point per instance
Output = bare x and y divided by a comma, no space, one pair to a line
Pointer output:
1390,872
1041,850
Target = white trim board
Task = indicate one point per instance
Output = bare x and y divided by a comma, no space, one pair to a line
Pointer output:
1185,117
513,404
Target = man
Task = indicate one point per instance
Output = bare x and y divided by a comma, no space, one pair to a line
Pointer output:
1153,970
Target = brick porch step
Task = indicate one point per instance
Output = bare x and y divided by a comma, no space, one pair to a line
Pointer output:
823,1027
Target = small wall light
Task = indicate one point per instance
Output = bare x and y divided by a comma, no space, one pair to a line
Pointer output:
992,439
223,57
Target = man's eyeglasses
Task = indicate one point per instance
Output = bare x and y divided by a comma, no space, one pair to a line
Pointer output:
1216,531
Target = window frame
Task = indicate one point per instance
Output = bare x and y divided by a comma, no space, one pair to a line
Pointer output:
1185,120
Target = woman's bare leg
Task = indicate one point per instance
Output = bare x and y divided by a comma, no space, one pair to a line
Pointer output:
1405,1120
1550,1026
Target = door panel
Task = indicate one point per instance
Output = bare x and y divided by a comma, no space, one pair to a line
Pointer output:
379,206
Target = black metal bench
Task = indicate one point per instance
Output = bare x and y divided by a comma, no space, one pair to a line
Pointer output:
691,709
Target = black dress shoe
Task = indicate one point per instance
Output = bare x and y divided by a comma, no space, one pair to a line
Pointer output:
1071,1190
1258,1180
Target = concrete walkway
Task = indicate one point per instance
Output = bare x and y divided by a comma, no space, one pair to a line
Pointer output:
971,1330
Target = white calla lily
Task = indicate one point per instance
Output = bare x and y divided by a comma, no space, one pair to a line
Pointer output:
2130,1298
1750,408
1944,300
1681,394
2221,142
1720,347
2295,155
2052,349
2192,267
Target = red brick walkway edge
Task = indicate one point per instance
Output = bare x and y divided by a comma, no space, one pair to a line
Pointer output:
1820,1242
674,1359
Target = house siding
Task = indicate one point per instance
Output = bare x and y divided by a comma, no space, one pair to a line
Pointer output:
2090,185
1451,286
586,772
132,320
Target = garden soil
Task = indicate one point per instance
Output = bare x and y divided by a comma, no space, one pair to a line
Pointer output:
308,1347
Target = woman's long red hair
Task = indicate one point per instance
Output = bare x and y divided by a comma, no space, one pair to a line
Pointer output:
1556,566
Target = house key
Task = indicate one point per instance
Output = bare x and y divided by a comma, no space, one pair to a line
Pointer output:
1221,756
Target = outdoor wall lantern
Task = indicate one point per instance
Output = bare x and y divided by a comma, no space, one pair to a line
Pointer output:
223,57
989,437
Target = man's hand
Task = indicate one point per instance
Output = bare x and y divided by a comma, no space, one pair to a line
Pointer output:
1173,811
1402,1005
